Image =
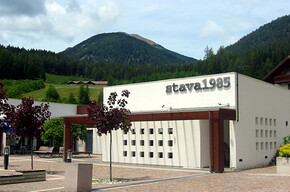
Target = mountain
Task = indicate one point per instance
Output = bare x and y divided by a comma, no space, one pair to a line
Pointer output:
272,35
123,48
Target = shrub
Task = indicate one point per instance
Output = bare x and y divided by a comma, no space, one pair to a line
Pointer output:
286,140
284,150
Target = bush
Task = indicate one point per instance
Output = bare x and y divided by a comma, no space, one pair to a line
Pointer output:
286,140
284,150
51,94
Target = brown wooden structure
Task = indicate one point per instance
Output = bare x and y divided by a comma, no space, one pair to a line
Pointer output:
280,74
216,118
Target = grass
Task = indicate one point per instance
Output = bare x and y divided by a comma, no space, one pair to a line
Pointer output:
64,91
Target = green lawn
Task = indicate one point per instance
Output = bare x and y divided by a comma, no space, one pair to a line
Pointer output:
64,91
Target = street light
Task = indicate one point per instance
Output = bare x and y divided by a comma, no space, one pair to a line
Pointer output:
6,157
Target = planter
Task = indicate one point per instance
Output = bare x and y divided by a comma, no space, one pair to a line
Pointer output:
283,165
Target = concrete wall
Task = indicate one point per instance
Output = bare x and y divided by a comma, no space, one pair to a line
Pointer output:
263,112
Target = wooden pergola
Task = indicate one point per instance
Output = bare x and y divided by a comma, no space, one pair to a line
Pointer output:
216,118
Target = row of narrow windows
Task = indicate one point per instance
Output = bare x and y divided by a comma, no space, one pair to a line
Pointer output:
265,121
151,143
265,145
151,131
266,133
150,154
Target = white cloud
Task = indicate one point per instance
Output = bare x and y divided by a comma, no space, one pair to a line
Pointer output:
212,30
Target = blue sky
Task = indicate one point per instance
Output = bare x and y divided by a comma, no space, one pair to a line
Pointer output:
184,26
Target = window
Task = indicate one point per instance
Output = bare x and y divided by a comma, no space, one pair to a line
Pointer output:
151,142
257,120
151,154
151,131
262,145
270,133
270,121
271,145
266,121
266,133
133,131
257,133
261,121
125,153
257,145
142,131
160,142
170,143
142,154
160,130
261,133
274,133
141,142
170,155
266,145
133,142
275,145
274,122
160,155
133,153
125,142
170,130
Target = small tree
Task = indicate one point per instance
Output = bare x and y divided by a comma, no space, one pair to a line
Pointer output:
53,132
111,117
28,120
51,94
4,107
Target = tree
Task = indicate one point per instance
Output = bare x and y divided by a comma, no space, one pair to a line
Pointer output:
28,120
111,117
53,132
84,95
72,99
51,94
4,107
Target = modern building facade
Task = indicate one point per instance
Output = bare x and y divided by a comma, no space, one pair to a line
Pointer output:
216,120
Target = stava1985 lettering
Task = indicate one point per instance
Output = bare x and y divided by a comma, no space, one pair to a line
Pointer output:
198,86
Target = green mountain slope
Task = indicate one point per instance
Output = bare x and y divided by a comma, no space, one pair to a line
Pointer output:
123,48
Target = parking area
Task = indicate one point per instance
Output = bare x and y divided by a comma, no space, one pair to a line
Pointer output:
148,178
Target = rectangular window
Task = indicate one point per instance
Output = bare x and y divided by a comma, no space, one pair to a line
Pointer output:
270,133
261,133
261,121
125,153
170,130
133,131
262,145
257,120
142,131
257,145
141,142
151,131
271,145
274,122
133,142
133,153
151,155
160,155
266,145
266,133
170,155
275,134
151,142
125,142
160,130
170,143
257,133
275,145
160,142
266,121
270,121
142,154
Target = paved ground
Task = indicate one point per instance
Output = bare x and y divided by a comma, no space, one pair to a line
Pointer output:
149,178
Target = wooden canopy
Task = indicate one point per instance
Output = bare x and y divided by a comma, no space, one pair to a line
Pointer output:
216,118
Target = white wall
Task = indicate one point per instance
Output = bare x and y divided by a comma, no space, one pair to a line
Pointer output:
151,96
264,109
190,144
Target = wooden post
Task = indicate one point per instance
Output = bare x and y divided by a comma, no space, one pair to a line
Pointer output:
218,146
66,139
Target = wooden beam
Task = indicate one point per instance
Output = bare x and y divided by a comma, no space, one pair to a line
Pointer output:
67,139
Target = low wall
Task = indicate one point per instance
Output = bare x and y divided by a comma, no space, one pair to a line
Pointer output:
283,165
23,176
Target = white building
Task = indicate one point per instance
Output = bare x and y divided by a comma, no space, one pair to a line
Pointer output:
205,121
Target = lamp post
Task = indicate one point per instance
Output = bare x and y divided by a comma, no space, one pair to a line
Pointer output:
6,157
69,156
